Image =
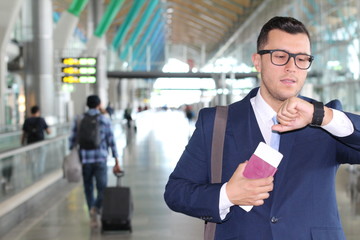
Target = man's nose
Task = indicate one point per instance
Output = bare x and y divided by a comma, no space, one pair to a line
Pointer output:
290,65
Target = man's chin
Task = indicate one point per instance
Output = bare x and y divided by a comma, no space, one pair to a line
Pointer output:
288,93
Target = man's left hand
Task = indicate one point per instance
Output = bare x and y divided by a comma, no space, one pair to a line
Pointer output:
296,113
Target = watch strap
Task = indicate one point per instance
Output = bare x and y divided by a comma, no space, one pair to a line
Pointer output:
318,114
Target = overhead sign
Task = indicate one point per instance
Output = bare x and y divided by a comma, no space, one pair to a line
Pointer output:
78,70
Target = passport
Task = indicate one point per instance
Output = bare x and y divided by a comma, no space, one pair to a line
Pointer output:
262,163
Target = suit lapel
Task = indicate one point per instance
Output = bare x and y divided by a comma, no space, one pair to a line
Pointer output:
244,126
247,135
286,146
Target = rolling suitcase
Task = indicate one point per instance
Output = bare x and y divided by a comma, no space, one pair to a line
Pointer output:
117,208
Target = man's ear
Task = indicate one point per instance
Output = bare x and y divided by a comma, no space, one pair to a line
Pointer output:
256,59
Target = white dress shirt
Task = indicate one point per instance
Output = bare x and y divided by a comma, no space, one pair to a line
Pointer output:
339,126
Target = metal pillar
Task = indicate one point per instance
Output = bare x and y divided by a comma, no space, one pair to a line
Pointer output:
223,99
148,58
101,86
202,56
95,41
40,83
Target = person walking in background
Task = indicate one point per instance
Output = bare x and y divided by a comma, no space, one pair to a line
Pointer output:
189,112
109,110
128,116
34,127
299,202
33,131
94,135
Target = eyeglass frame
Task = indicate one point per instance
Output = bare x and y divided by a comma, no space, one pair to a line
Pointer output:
291,55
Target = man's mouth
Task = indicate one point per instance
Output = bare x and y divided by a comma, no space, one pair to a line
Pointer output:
288,81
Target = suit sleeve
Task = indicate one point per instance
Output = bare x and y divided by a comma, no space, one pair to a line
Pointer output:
352,140
189,190
348,148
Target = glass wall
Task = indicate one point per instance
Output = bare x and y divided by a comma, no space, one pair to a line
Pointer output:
334,29
23,167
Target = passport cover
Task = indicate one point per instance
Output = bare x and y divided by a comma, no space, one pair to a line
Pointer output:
262,163
258,168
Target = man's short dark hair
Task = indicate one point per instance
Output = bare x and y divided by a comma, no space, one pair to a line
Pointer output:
93,101
286,24
34,109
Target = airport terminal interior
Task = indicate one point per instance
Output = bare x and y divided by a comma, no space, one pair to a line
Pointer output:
155,59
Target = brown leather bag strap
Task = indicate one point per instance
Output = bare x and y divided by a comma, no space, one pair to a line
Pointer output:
218,143
216,158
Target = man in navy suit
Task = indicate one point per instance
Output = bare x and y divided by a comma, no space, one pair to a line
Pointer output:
299,202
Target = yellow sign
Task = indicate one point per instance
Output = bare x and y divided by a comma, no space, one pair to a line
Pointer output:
79,70
79,61
80,79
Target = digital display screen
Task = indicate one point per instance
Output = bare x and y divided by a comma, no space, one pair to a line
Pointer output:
79,79
79,61
78,70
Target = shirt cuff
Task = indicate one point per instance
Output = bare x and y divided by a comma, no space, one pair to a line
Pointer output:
224,202
340,125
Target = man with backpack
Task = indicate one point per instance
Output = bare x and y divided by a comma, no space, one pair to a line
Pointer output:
34,127
93,133
33,131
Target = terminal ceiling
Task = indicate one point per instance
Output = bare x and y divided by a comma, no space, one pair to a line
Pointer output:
199,27
190,24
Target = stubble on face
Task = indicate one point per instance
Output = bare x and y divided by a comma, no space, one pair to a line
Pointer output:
277,90
279,83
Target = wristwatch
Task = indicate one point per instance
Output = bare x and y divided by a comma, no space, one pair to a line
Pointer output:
318,114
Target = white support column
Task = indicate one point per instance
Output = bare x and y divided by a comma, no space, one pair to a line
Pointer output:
202,56
102,84
148,58
64,30
167,51
42,59
9,12
223,87
130,58
93,47
185,53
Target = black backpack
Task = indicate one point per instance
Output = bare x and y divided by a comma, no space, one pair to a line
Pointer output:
89,132
35,132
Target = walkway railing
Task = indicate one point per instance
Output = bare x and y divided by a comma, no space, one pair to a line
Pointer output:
23,166
12,140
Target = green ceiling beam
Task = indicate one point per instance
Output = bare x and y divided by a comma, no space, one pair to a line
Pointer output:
156,19
109,15
119,37
159,31
149,10
77,6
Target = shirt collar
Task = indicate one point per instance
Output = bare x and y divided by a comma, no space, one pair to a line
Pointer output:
93,111
262,107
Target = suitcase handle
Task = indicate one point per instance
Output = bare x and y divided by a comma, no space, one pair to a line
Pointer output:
119,174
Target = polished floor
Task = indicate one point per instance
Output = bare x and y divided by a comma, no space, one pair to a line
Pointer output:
147,157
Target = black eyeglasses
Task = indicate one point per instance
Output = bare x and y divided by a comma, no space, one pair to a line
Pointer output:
281,57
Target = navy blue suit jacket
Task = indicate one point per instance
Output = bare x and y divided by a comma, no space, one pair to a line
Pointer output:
303,203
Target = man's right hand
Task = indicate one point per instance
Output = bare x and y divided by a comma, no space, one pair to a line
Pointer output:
243,191
116,168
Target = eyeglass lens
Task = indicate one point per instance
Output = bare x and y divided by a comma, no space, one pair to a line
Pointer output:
281,58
